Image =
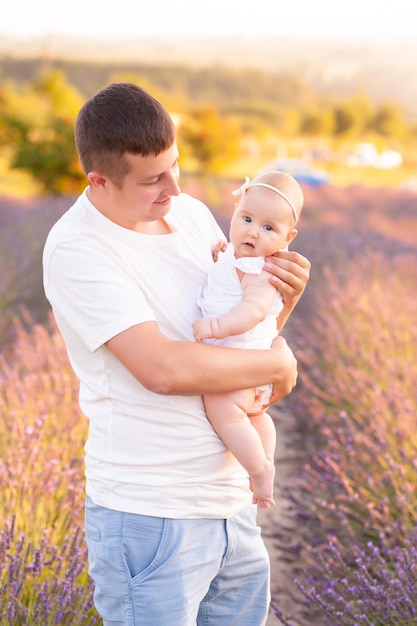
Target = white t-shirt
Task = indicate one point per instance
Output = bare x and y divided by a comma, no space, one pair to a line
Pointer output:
146,453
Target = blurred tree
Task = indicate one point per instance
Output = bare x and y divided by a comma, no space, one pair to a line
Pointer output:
354,115
363,108
292,122
213,140
388,120
38,127
318,122
345,118
37,117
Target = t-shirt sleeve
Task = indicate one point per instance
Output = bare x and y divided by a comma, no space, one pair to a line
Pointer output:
92,290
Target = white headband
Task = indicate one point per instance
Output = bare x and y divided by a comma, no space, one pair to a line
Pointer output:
243,188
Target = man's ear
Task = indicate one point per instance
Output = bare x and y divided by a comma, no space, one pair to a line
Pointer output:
291,236
97,181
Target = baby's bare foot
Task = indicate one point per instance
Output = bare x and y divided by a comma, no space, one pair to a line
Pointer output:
262,485
263,504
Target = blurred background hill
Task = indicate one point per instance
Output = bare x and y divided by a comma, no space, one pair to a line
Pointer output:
345,108
332,69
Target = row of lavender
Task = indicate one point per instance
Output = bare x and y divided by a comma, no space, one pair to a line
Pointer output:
43,578
43,574
353,507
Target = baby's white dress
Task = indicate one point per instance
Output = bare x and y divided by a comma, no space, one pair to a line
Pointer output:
223,291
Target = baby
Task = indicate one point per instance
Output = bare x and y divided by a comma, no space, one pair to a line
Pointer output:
240,308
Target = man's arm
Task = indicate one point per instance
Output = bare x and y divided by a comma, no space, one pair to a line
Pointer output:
290,272
188,368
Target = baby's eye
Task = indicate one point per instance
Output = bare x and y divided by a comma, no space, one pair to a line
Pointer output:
268,227
247,218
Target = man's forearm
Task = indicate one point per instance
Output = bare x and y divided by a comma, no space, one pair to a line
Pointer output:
187,368
204,369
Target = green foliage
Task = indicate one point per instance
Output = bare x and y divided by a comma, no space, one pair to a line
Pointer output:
37,124
213,138
352,116
318,122
254,106
387,120
345,119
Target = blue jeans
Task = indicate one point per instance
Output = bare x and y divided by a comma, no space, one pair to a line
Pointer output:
151,571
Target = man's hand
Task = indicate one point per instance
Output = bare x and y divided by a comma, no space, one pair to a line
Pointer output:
289,379
290,272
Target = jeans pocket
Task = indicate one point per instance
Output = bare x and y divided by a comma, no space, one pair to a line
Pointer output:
92,532
143,544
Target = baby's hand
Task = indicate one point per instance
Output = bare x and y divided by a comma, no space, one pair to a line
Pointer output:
202,329
220,247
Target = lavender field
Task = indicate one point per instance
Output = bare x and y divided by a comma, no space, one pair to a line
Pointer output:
351,527
353,505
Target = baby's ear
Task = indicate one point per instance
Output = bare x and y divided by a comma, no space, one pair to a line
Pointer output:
291,235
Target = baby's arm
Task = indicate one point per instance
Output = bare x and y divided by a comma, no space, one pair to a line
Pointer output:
258,296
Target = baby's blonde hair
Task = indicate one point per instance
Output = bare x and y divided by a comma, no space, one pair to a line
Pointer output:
285,183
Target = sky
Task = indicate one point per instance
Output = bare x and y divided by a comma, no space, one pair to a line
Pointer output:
325,20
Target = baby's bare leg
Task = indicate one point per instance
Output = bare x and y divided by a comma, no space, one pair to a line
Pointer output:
265,427
227,414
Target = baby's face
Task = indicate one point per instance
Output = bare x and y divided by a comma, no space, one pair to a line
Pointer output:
261,224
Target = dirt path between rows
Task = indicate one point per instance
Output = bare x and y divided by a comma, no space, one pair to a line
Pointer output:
287,461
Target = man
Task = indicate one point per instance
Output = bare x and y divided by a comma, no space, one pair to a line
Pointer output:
171,531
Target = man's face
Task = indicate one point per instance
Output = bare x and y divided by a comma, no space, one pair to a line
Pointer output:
146,191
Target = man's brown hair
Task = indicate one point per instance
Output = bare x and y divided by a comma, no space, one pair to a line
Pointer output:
121,118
